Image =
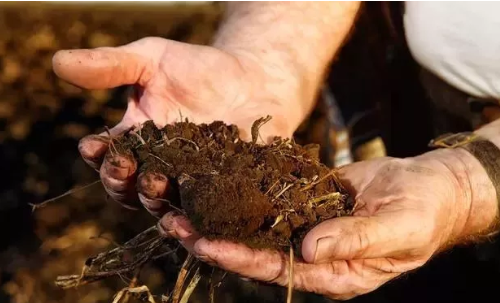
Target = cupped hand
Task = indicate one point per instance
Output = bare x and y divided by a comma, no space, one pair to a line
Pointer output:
172,79
406,211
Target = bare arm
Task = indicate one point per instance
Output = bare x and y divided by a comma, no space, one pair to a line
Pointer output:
474,189
294,42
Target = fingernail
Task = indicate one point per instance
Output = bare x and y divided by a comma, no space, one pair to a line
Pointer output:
322,249
152,185
119,167
171,225
162,231
181,231
92,148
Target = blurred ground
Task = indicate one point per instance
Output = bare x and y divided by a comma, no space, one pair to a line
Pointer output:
41,121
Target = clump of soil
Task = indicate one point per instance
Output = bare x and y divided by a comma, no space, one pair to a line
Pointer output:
266,196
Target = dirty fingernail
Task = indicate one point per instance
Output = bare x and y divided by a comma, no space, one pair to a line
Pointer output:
171,225
119,167
92,149
153,185
163,231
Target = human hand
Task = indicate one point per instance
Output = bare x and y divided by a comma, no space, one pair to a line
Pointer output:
407,210
171,79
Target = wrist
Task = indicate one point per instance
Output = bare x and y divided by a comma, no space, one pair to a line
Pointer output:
475,207
289,45
274,81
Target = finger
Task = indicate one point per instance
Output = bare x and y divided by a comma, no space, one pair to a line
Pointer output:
177,226
118,175
263,265
92,148
349,238
153,188
339,279
102,68
353,176
109,67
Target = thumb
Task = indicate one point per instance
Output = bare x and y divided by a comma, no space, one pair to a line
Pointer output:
350,238
109,67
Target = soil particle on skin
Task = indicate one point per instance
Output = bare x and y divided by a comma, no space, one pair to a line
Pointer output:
266,196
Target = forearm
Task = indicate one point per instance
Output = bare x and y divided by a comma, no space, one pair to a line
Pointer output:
293,42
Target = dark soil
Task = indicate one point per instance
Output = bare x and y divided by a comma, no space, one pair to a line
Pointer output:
264,195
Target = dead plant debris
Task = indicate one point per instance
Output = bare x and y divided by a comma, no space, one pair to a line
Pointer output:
263,195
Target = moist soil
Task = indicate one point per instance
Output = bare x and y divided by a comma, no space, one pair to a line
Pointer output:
263,195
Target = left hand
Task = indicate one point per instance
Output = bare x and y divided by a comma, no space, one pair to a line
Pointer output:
171,79
407,211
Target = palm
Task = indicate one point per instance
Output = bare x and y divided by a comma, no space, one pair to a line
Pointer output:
403,206
393,230
197,82
171,80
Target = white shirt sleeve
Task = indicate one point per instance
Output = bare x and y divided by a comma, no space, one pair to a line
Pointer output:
459,42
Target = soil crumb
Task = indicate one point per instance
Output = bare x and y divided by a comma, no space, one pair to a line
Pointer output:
266,196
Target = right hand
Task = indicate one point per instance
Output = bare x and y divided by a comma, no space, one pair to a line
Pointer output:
171,78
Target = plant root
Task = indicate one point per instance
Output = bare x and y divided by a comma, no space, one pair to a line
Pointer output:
122,295
111,263
69,192
189,263
191,286
290,278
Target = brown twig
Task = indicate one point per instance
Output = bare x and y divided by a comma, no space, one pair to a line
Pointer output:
215,284
181,278
191,286
283,190
312,184
111,141
290,278
133,290
138,137
69,192
335,195
256,127
169,141
161,160
278,219
211,288
272,186
180,114
92,276
104,264
131,285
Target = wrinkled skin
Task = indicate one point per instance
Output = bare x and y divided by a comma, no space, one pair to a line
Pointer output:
394,229
407,210
170,79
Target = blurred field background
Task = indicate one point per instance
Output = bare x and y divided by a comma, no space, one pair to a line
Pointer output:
42,119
